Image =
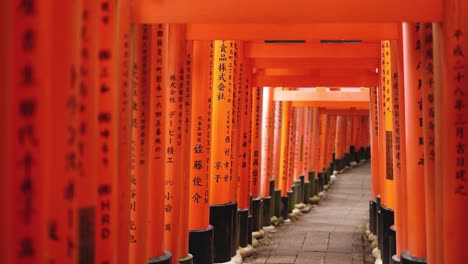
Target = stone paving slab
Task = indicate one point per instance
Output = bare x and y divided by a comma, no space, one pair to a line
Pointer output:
330,233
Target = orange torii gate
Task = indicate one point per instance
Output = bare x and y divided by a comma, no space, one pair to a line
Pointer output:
43,52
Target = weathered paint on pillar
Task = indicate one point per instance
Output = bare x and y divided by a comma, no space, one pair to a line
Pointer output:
157,151
414,140
451,132
202,73
374,141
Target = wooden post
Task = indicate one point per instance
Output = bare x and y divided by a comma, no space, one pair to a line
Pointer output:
451,121
223,207
124,127
173,94
140,145
414,143
157,152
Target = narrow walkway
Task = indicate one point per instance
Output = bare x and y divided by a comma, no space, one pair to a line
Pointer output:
331,233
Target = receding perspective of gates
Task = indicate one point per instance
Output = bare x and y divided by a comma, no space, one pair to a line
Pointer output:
143,131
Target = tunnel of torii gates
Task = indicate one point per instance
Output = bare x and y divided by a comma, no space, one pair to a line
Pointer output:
124,140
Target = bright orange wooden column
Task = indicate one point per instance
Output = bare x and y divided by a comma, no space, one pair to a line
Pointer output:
374,141
157,152
235,125
277,144
220,183
202,72
88,134
297,165
255,142
64,120
340,132
243,193
304,170
173,94
185,106
27,137
108,203
451,127
382,143
291,146
389,201
399,151
284,155
331,140
414,141
315,145
322,129
140,146
124,127
429,138
267,141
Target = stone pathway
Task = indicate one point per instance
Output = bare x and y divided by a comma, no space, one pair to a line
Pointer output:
331,233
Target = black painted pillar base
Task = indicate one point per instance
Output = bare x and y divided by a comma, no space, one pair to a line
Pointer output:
297,192
284,207
321,181
379,223
373,216
311,176
221,218
243,227
387,222
267,211
277,203
235,229
306,192
249,229
302,189
316,186
166,258
352,152
201,245
392,243
256,214
406,258
395,260
272,187
290,201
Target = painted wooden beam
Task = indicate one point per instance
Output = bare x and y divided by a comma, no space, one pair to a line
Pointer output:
299,11
313,81
312,50
311,63
320,98
313,32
